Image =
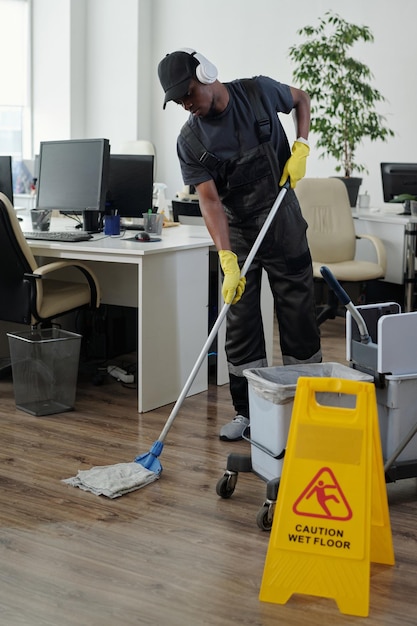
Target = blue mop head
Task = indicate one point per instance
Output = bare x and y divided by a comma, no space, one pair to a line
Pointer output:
150,459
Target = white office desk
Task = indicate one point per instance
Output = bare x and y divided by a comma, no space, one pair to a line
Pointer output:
168,282
398,233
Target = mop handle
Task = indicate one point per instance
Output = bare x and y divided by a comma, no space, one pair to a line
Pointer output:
222,314
334,284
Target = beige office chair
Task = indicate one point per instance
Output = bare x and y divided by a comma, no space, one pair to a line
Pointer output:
32,294
140,146
332,239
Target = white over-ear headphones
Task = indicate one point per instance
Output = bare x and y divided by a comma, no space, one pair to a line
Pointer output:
206,72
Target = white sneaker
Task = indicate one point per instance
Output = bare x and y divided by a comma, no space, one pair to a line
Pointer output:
234,430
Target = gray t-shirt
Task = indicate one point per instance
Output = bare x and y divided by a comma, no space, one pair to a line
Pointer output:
234,131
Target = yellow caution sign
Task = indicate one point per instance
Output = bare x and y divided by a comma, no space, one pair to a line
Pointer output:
331,518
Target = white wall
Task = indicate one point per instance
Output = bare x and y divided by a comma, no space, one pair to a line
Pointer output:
51,97
120,96
88,69
112,75
246,37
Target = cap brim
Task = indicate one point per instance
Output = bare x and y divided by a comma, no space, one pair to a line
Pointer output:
177,91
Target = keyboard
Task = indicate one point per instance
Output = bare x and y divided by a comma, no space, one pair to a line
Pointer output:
64,235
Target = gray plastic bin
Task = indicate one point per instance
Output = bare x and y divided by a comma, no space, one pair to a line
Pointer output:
271,400
45,369
397,415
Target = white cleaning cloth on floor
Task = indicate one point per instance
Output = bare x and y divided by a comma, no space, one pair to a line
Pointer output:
112,480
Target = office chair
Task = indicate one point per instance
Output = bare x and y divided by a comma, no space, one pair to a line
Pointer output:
28,293
332,239
187,212
140,146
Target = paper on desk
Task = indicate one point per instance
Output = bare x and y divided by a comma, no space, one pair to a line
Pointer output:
392,208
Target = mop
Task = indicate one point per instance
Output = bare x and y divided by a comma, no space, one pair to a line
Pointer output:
116,480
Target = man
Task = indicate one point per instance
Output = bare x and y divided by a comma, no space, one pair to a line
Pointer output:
234,150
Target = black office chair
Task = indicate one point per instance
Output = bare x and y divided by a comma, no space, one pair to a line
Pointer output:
184,209
28,293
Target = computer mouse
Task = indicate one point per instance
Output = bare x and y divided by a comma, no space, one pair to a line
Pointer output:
142,236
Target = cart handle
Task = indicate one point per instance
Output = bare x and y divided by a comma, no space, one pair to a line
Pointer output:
261,447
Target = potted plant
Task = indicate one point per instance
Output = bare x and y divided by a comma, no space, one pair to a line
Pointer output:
343,100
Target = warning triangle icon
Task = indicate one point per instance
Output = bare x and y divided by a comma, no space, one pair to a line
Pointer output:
324,498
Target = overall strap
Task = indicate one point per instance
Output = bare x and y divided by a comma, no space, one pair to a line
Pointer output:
262,118
206,158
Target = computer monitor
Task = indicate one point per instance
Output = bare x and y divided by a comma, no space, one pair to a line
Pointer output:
130,184
398,179
6,179
73,175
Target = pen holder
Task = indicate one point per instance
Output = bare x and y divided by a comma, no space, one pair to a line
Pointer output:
364,201
152,223
41,219
112,224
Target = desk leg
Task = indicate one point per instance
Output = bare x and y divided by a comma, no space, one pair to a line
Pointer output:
410,260
172,324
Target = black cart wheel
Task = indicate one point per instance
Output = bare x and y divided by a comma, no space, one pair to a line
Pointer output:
226,486
264,517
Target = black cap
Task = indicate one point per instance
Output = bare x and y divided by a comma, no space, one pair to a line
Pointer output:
175,72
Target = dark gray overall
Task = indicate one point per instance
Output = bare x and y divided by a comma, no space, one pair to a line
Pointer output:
248,186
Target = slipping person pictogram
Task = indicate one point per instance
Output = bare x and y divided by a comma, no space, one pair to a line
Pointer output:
323,482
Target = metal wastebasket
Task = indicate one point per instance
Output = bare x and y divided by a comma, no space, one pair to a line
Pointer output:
45,369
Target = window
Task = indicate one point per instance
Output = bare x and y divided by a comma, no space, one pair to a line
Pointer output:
15,132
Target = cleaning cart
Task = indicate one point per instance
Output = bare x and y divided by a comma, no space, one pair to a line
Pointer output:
391,357
381,347
382,341
271,398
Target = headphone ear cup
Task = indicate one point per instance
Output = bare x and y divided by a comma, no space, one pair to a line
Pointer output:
206,72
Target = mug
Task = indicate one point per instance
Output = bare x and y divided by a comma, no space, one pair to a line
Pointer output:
91,220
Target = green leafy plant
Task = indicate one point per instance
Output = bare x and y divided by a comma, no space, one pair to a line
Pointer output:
343,100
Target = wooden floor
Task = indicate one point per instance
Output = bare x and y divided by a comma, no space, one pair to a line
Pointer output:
172,553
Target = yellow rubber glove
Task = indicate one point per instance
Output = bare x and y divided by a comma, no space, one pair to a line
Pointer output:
233,285
295,167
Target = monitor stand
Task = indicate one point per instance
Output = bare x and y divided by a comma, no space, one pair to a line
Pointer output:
131,223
